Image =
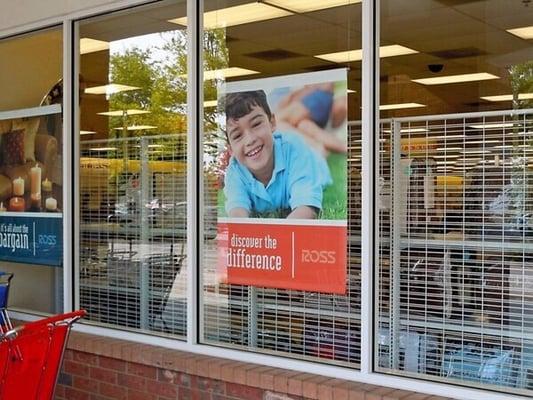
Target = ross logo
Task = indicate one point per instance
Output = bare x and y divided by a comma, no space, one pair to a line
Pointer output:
47,239
318,257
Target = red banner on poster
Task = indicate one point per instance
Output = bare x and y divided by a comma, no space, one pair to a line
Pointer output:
285,256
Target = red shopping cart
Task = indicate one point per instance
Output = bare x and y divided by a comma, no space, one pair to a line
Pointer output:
31,355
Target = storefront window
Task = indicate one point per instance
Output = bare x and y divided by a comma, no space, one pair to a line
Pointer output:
133,168
455,202
31,185
280,261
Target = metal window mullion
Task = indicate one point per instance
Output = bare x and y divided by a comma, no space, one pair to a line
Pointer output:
144,234
70,144
370,96
194,165
395,234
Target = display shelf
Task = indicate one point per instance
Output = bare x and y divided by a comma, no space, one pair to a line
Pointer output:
31,112
512,246
457,262
129,231
313,311
511,332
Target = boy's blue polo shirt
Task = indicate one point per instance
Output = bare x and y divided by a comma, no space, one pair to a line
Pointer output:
299,177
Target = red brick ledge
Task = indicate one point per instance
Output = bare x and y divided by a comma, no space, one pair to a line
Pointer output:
275,383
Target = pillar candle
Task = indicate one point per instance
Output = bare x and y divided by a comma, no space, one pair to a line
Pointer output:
47,186
2,208
35,179
51,204
35,202
18,186
17,204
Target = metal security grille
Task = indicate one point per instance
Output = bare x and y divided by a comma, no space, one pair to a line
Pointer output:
133,218
455,278
298,323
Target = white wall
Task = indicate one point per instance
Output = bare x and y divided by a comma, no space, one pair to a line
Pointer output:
34,287
28,13
31,65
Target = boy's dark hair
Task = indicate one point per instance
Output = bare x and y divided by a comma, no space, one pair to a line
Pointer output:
239,104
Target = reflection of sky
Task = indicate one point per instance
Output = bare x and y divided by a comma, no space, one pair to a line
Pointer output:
153,42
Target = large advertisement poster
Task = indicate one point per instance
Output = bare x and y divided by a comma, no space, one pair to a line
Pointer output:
31,186
282,207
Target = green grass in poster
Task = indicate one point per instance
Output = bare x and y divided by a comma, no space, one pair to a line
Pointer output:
335,195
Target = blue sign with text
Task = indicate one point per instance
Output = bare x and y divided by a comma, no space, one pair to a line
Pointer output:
32,238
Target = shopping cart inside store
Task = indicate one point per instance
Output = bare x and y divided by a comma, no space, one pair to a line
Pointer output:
5,281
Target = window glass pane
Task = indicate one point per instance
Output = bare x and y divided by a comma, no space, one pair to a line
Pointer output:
31,245
456,234
133,168
282,107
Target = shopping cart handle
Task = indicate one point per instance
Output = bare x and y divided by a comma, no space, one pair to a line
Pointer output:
6,276
68,318
57,320
12,333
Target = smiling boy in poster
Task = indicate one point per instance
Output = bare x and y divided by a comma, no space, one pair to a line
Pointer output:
270,172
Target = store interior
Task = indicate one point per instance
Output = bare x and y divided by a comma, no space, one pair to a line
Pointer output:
453,252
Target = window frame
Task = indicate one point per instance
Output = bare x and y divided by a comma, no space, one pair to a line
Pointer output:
370,159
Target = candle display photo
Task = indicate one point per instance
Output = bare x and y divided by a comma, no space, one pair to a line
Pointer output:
31,189
30,163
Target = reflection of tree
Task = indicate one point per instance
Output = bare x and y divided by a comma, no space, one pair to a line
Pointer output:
161,74
157,93
216,56
521,76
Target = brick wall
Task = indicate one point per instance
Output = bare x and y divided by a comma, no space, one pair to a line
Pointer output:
97,368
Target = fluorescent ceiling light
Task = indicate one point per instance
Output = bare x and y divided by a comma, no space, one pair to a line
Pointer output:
444,80
525,32
210,103
449,148
468,159
447,156
88,45
155,145
137,127
121,113
510,146
446,137
409,130
475,151
87,132
112,88
482,141
508,97
398,106
444,162
302,6
489,125
227,73
521,133
357,55
103,149
237,15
